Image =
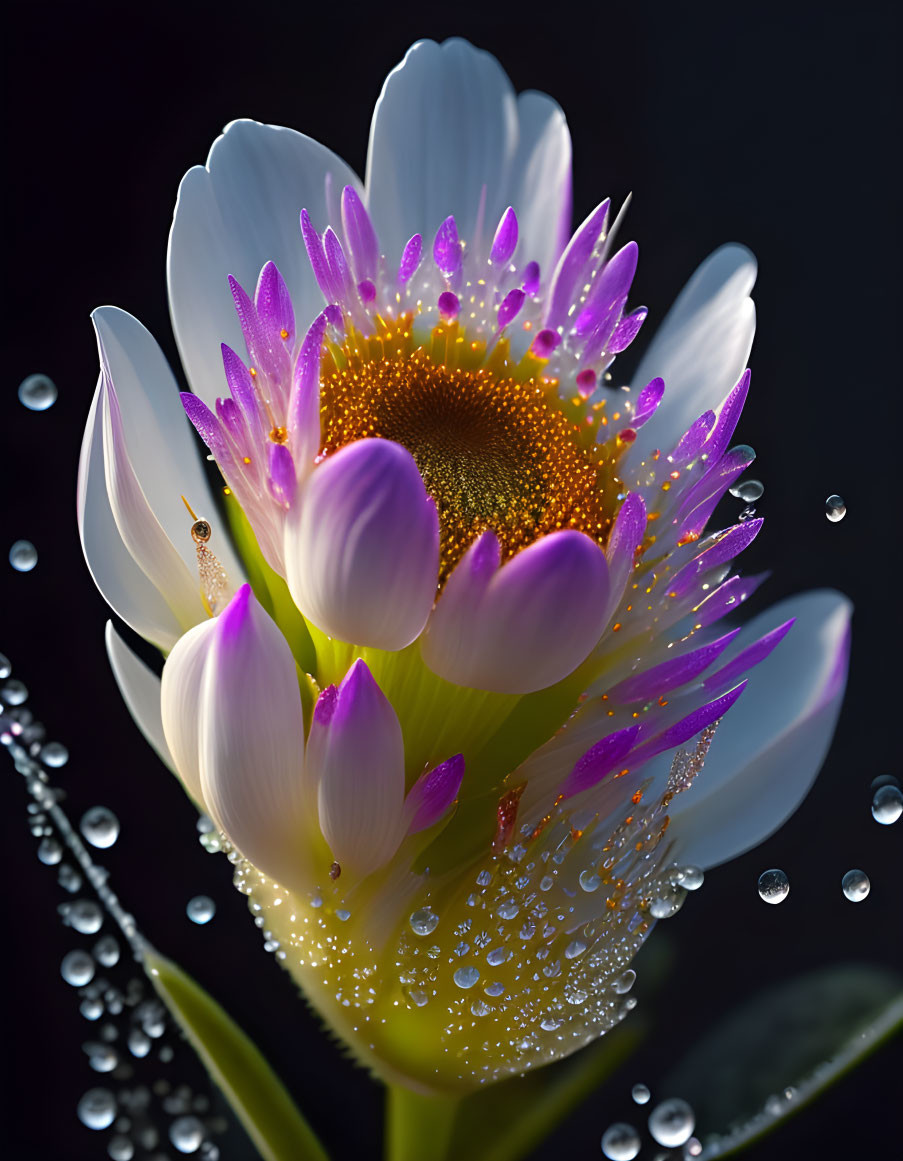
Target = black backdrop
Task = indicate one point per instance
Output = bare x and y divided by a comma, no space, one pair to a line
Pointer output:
775,127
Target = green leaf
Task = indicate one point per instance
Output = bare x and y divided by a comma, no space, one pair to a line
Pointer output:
505,1121
799,1038
235,1064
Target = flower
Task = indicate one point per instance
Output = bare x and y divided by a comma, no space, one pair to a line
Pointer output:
448,697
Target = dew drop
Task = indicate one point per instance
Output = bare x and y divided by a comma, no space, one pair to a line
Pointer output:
77,968
139,1042
667,903
497,956
671,1123
100,826
856,885
589,880
120,1148
85,916
97,1108
494,989
37,392
50,851
774,886
54,754
424,922
91,1008
106,951
641,1094
101,1057
748,491
575,948
466,977
187,1133
835,508
5,666
508,909
691,878
625,982
14,692
620,1142
693,1147
744,450
23,556
887,805
200,909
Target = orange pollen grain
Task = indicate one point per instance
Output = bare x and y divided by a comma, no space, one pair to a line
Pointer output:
494,451
279,435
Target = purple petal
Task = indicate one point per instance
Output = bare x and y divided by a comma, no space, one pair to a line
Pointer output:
231,418
242,387
410,258
433,793
571,266
701,500
447,248
511,305
693,439
598,761
688,727
727,598
449,305
731,544
206,425
611,287
729,417
254,333
316,257
671,674
282,476
505,241
624,539
304,404
531,279
326,703
627,330
749,657
360,235
647,402
545,343
274,306
339,274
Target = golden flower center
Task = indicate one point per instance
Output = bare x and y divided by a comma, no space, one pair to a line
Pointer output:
495,452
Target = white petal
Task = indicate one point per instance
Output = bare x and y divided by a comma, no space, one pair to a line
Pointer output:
251,744
141,531
448,124
140,689
768,750
237,213
122,584
163,449
702,347
180,703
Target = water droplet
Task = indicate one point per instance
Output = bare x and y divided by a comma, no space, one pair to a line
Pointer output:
856,885
625,981
484,878
54,754
100,826
424,922
466,977
50,852
187,1133
641,1094
508,909
691,878
69,879
106,951
120,1148
91,1008
497,956
77,968
101,1057
494,989
37,392
620,1142
85,916
575,948
139,1042
97,1108
480,1008
887,805
23,556
693,1147
14,692
774,886
835,508
672,1122
667,903
748,491
200,909
589,880
5,666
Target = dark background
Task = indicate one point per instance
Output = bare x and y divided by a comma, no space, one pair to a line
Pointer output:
776,127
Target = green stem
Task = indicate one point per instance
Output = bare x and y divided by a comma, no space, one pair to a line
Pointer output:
418,1128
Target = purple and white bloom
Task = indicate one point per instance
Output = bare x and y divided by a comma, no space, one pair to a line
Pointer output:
448,688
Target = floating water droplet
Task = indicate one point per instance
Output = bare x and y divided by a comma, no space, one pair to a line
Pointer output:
887,805
85,916
748,491
91,1008
69,879
424,922
672,1122
50,852
139,1042
835,508
881,780
5,666
187,1133
23,556
641,1094
200,909
100,826
856,885
589,880
667,903
744,450
691,878
106,951
693,1147
37,392
54,754
620,1142
14,692
466,977
101,1057
625,982
774,886
120,1148
97,1108
77,968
